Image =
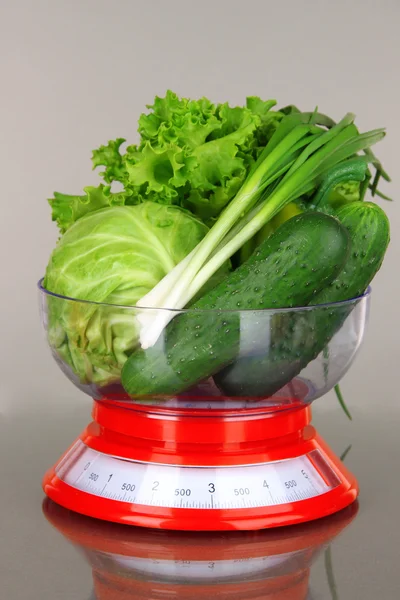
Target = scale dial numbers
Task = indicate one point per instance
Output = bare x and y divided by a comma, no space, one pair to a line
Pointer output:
212,488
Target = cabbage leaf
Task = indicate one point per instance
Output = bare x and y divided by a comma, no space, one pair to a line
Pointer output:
112,258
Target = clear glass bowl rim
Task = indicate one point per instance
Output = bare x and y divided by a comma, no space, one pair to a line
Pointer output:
309,307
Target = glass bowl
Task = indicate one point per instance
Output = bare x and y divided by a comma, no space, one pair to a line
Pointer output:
204,359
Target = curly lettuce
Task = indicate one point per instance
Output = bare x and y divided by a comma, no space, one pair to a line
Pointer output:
191,153
67,209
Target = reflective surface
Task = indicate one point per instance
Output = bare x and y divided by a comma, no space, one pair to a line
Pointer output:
155,564
204,358
38,561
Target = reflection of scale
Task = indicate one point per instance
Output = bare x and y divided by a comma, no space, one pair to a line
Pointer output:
136,563
207,461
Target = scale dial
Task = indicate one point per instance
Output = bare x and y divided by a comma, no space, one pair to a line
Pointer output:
194,487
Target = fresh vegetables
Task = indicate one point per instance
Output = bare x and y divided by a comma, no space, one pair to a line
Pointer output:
208,190
114,256
298,155
199,343
306,333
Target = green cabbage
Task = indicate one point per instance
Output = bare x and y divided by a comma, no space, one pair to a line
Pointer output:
113,256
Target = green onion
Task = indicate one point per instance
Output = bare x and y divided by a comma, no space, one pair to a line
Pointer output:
299,156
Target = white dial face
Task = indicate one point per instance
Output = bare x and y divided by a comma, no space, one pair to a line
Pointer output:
194,487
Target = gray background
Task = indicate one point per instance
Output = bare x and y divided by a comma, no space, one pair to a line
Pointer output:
74,75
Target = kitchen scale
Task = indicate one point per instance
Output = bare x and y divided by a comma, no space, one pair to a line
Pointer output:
208,460
143,563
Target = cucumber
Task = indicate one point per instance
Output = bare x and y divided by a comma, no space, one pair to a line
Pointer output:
308,332
289,268
286,213
369,231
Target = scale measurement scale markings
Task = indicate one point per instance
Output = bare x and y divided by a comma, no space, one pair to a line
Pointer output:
245,486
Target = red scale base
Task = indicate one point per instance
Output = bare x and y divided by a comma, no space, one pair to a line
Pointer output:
204,438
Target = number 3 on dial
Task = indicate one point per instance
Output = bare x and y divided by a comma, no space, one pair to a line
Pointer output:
211,488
